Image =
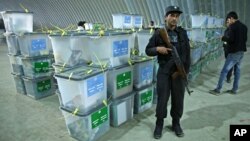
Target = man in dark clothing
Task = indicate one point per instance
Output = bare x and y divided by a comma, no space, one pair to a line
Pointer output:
225,46
236,40
166,85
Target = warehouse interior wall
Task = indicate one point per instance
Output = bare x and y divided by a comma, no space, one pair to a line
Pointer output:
62,13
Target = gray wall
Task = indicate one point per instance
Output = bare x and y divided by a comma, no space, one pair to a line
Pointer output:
63,13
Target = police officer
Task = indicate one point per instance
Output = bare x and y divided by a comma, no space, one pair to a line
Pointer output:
166,85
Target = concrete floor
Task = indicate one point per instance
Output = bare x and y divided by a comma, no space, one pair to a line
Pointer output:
206,117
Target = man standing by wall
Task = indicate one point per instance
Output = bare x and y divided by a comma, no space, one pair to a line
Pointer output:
236,39
225,46
166,85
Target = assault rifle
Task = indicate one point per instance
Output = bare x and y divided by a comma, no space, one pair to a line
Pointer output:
180,68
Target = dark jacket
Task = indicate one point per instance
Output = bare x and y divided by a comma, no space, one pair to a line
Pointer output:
225,44
183,44
226,35
236,37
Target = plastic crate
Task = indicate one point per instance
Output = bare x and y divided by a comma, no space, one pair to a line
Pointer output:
71,49
35,67
137,21
144,99
34,44
211,22
16,64
12,43
195,54
83,88
122,21
120,81
143,73
205,50
195,70
127,21
16,21
19,83
218,32
87,126
198,35
60,69
198,21
219,22
39,87
143,39
111,50
121,109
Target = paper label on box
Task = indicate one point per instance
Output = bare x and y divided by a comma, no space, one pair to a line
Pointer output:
138,20
123,80
99,117
95,85
38,44
41,67
127,19
146,73
43,85
120,48
146,97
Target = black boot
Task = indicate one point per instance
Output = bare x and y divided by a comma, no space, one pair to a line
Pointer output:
158,129
176,127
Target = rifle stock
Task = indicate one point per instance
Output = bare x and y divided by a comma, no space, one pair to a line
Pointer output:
180,68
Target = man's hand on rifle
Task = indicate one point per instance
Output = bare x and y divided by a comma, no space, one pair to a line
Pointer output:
163,50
